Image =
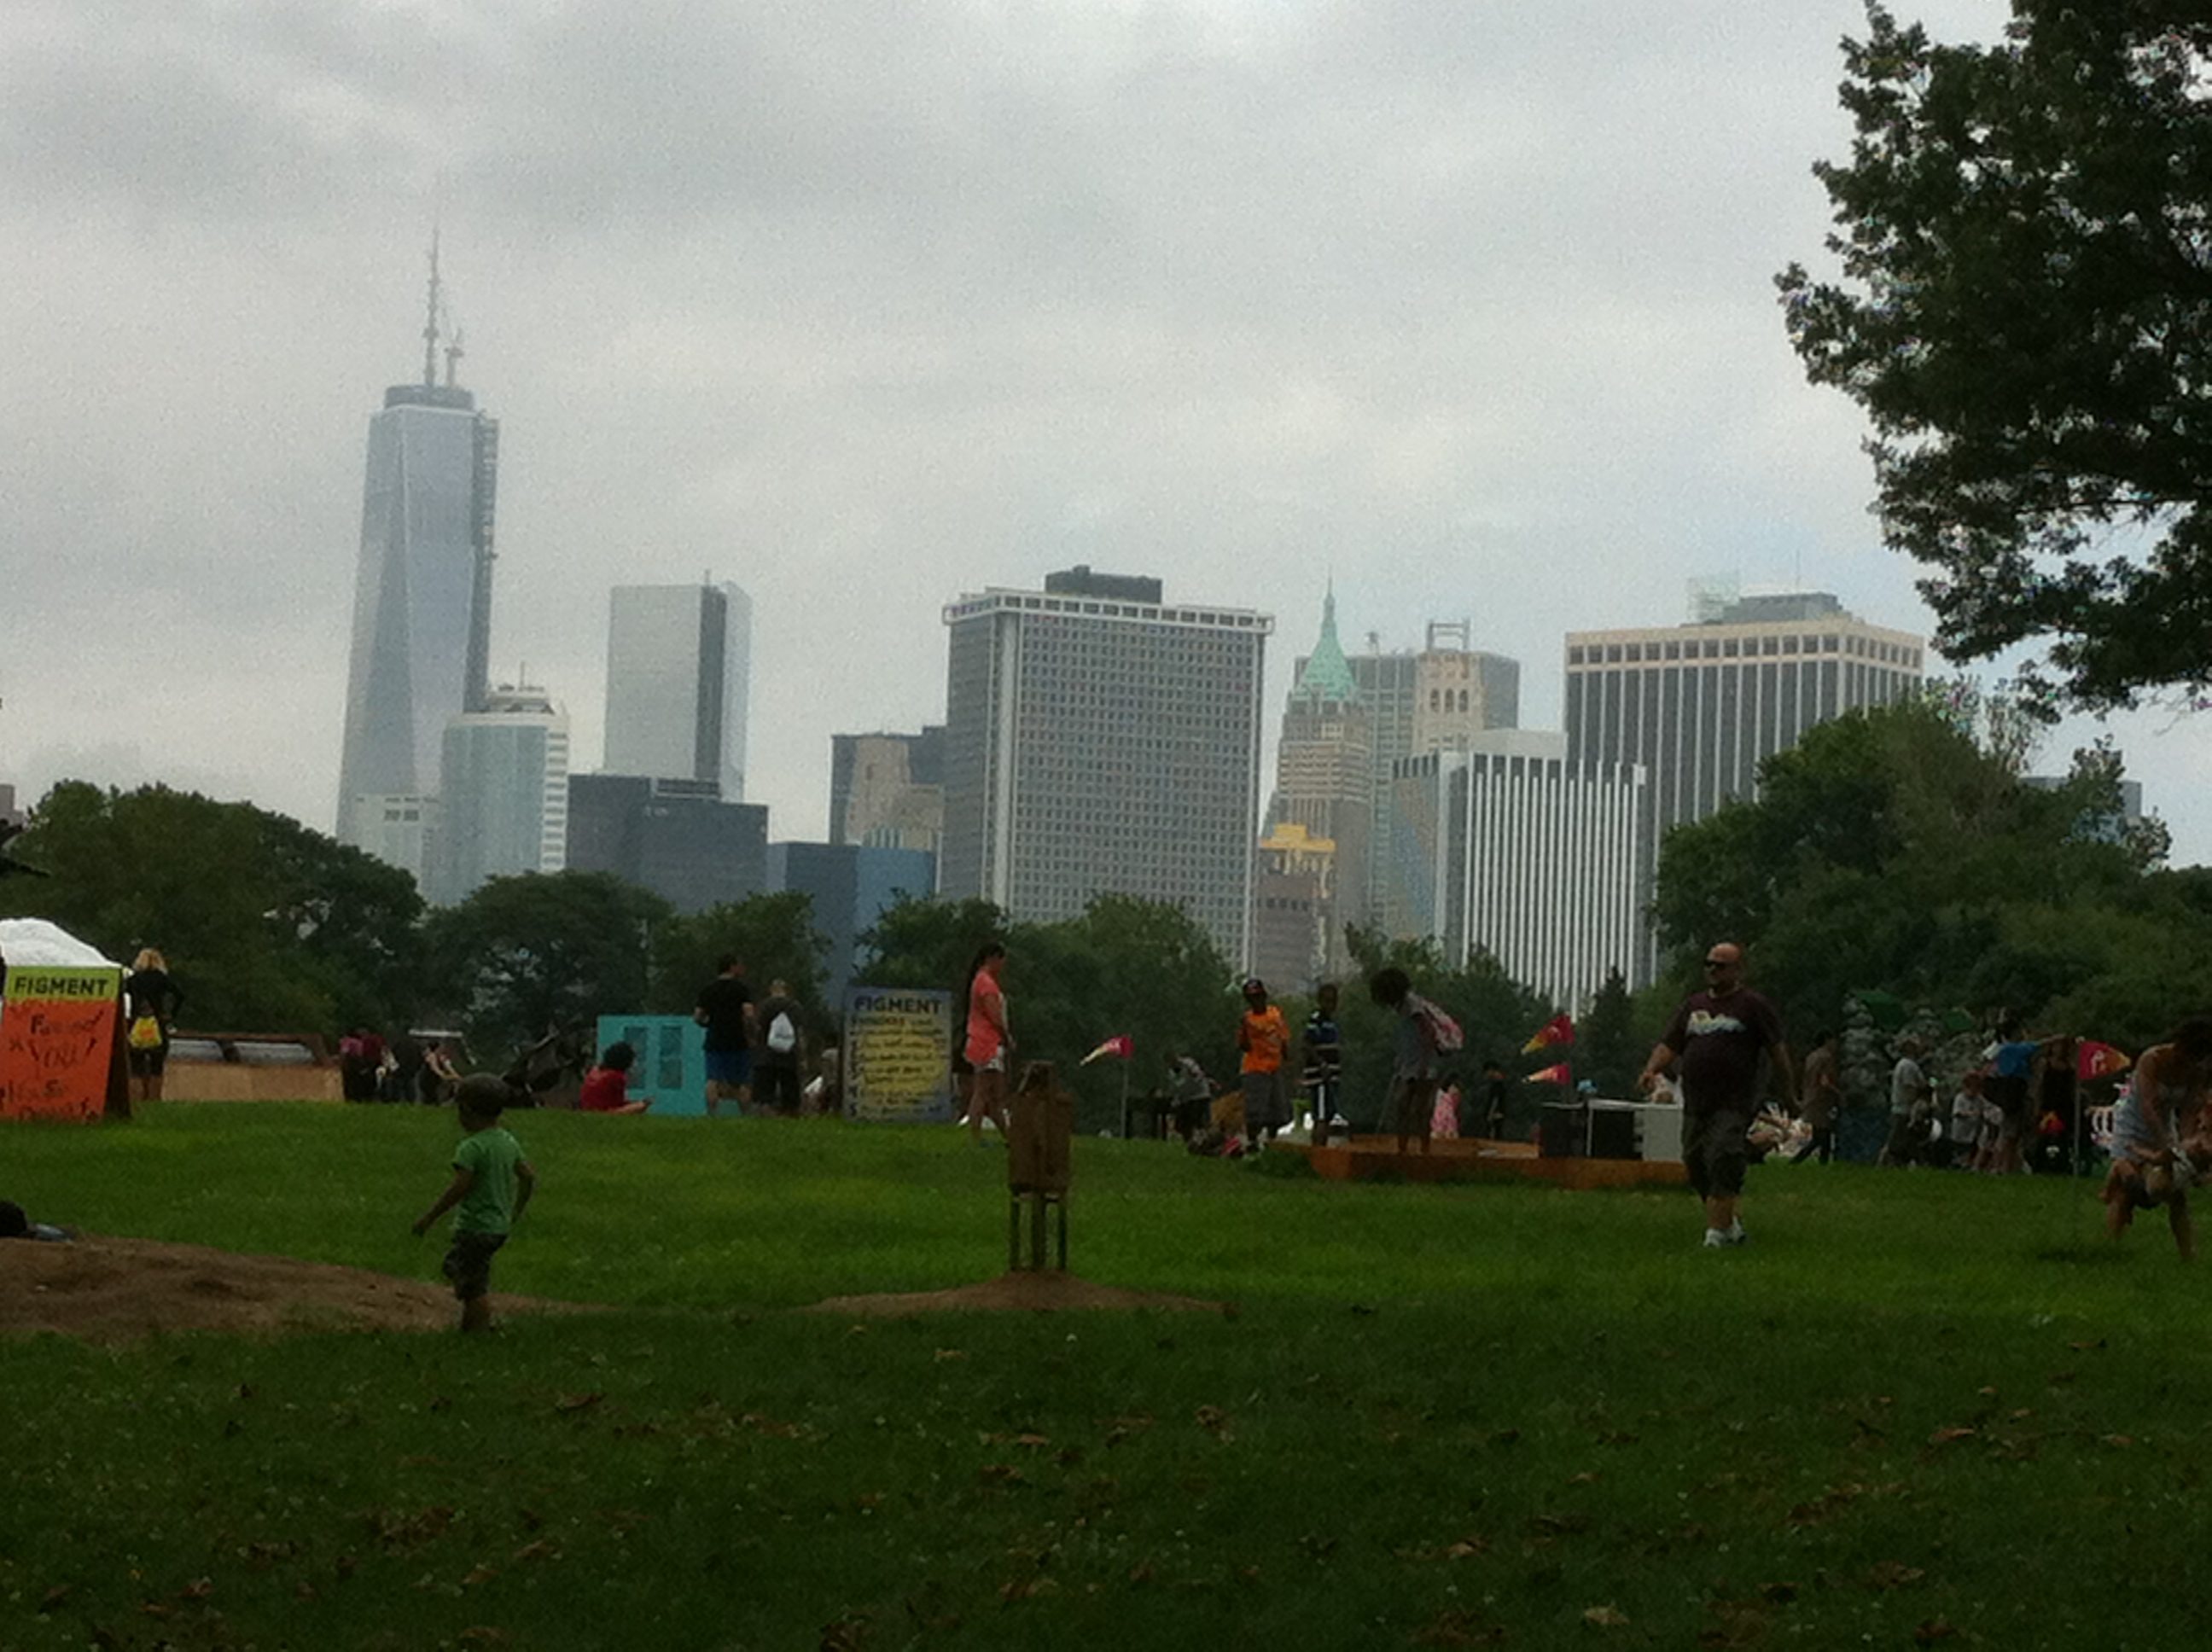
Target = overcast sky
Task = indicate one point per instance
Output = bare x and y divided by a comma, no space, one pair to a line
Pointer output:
1465,304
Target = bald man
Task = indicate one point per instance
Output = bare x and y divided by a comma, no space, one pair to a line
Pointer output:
1718,1034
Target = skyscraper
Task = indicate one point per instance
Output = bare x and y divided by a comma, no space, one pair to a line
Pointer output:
1099,740
502,793
1523,854
1435,699
675,837
1701,705
422,615
887,791
679,659
1324,784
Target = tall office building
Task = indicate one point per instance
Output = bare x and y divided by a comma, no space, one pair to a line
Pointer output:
849,886
1437,699
887,791
1519,852
1700,705
421,614
679,659
1324,784
1100,740
502,793
676,838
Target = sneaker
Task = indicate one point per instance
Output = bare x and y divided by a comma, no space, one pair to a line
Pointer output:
1736,1235
1717,1239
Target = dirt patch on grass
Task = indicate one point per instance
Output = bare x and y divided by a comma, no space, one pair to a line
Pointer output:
114,1291
1032,1291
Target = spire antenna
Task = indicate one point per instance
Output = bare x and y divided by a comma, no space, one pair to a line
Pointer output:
430,320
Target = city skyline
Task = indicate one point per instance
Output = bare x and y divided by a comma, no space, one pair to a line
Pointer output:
1468,308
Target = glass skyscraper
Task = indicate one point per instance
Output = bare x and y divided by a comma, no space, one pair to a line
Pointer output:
679,659
422,615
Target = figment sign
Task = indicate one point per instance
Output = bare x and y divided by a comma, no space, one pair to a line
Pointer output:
60,1038
898,1055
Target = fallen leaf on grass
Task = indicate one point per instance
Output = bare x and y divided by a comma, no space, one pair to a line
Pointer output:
483,1634
574,1402
1934,1630
1943,1436
1894,1575
198,1590
1467,1548
2118,1442
1027,1589
53,1598
1780,1594
1558,1525
1606,1617
1032,1441
1212,1419
943,1354
1457,1629
1001,1474
2087,1347
478,1575
847,1634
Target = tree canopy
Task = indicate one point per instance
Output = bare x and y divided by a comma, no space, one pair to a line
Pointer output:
1890,849
2025,314
528,953
269,926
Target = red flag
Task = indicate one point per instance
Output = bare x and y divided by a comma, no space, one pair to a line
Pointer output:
1120,1048
1559,1030
1561,1074
2095,1061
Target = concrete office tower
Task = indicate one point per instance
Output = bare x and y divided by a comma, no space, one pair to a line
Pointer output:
887,791
676,838
1324,784
849,886
679,659
1099,740
502,793
1701,705
1519,852
421,611
1438,698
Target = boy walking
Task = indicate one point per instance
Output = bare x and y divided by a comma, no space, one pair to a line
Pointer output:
491,1188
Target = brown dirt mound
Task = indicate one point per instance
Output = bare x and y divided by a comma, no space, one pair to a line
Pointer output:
118,1289
1033,1291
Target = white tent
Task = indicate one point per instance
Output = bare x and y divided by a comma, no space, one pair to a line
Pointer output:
34,942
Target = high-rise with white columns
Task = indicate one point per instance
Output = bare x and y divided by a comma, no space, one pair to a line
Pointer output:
1100,740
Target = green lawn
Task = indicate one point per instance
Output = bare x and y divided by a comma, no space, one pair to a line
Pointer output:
1916,1406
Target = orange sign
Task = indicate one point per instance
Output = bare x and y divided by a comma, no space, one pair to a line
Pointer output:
58,1041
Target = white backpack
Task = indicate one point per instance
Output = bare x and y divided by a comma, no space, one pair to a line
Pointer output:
782,1037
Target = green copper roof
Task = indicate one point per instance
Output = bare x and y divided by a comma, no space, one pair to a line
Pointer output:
1327,676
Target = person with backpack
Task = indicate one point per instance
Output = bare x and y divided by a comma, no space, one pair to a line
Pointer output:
775,1065
1424,1032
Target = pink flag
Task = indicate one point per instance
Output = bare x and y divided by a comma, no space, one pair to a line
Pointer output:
1120,1048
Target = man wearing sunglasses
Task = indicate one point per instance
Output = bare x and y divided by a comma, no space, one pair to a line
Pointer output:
1718,1034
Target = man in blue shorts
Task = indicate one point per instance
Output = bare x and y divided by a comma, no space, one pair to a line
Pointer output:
725,1009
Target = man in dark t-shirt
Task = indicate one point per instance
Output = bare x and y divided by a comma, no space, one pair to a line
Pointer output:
725,1009
1718,1034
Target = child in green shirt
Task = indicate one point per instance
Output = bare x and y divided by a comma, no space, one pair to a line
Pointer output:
491,1185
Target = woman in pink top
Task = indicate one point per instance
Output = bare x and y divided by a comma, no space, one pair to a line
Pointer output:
990,1046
